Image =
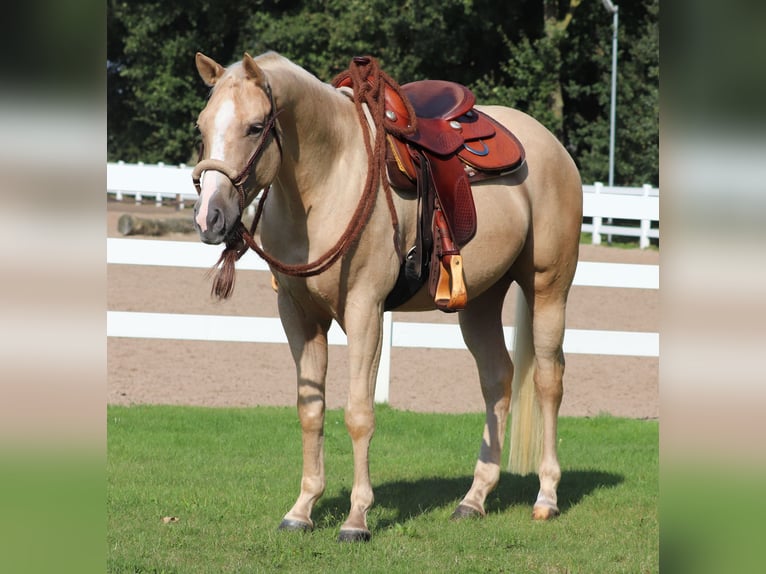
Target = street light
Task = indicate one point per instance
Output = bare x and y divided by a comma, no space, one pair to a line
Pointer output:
612,112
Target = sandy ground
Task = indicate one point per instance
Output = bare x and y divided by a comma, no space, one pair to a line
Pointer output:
423,380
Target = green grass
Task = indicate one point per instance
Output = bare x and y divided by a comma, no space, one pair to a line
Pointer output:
230,474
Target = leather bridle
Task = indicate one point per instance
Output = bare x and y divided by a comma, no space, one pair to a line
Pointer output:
239,178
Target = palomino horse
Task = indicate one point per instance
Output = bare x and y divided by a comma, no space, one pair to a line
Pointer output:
268,122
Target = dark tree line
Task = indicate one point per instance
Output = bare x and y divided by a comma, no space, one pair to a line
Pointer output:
551,58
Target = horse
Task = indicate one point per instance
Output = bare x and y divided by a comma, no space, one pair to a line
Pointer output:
269,124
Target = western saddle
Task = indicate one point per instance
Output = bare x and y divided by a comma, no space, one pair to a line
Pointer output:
453,145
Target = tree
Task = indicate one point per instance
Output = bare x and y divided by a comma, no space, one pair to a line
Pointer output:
449,39
586,70
154,93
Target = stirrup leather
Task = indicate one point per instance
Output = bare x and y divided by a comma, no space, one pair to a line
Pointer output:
447,285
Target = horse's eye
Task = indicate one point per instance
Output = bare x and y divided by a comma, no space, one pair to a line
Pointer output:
254,129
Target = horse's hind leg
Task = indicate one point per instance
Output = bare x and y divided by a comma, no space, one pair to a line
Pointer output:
548,333
482,328
308,343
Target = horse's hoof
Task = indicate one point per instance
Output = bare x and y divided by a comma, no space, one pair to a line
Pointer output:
295,526
544,512
465,511
354,535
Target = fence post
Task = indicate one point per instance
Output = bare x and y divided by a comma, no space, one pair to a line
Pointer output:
158,197
384,369
643,241
138,196
118,194
179,196
596,233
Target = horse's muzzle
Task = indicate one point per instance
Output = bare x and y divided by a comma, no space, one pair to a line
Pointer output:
213,219
216,230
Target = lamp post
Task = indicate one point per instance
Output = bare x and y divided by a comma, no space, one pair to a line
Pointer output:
612,111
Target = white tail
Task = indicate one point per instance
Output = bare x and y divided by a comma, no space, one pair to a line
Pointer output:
526,419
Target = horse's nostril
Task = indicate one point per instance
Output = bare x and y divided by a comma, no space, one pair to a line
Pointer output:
216,220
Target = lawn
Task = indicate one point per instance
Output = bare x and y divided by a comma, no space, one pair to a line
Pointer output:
228,476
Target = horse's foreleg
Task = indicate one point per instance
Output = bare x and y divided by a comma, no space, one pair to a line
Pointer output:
308,344
364,331
548,329
481,325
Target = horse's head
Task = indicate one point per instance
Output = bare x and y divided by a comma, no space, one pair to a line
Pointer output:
240,145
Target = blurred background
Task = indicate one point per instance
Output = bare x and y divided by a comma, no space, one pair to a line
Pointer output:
713,280
52,249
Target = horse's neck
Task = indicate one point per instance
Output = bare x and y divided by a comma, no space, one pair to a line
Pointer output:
321,137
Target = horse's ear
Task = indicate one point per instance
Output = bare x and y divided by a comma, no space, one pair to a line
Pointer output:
253,71
209,70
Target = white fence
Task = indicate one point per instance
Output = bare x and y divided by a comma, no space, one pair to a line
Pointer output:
637,207
158,181
396,334
640,204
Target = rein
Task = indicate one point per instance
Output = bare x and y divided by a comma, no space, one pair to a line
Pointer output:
369,84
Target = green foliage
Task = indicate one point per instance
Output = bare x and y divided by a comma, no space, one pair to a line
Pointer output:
556,70
529,80
153,87
413,40
586,80
229,475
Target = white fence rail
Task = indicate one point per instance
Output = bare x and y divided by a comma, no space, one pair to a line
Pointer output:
396,334
158,181
601,204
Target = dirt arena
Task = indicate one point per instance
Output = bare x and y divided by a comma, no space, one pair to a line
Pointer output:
425,380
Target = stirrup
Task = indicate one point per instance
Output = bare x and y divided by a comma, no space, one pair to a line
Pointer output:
450,290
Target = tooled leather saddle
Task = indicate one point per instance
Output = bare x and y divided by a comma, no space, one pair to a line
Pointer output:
453,146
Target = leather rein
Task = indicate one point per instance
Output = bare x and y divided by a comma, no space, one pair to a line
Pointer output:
241,239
